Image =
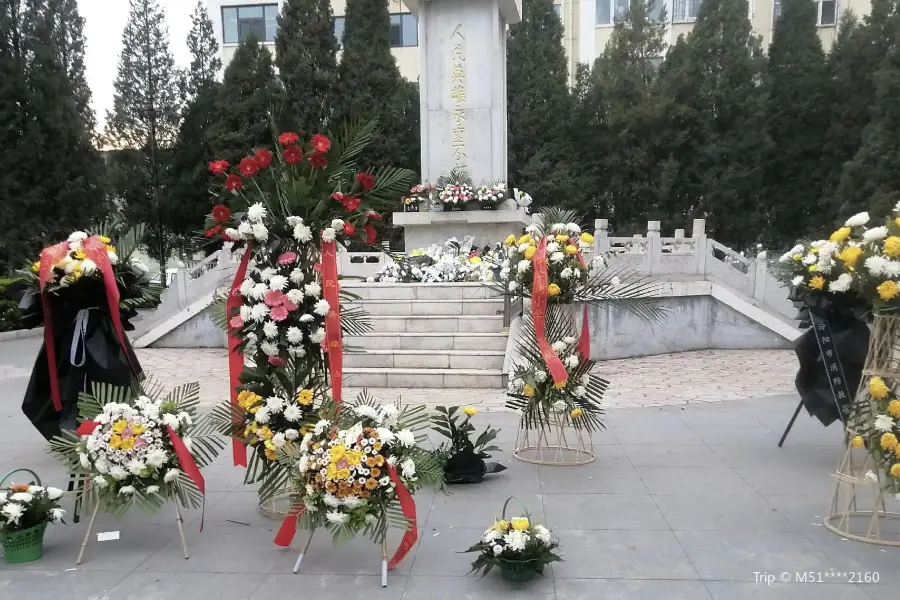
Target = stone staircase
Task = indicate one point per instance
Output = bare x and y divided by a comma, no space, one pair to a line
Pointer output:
427,336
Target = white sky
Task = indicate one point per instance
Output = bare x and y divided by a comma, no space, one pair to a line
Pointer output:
104,22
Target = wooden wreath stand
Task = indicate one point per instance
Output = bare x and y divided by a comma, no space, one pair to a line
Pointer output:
87,534
384,558
858,508
553,445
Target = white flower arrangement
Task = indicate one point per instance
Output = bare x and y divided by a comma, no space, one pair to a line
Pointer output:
518,544
451,262
456,194
565,271
492,195
24,506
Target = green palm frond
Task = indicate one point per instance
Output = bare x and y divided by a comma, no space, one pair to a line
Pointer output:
553,214
618,285
353,137
391,183
218,311
355,321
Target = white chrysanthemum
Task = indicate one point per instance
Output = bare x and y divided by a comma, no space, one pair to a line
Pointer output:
126,490
258,291
560,406
136,467
266,273
294,221
513,286
542,533
331,500
558,228
260,232
312,289
557,257
523,266
77,237
871,476
278,282
586,380
262,415
270,329
245,229
490,535
552,247
841,284
257,212
615,282
275,404
295,296
559,346
408,468
322,307
337,224
102,466
797,280
572,361
296,277
785,258
328,234
540,376
170,420
293,413
389,411
85,460
294,335
23,497
247,287
321,426
406,437
291,434
338,518
88,266
54,493
876,233
232,234
566,273
245,313
100,480
892,269
259,312
352,502
516,540
307,318
523,248
318,336
573,229
857,220
876,265
364,410
579,391
810,259
497,549
157,458
153,489
385,434
884,423
302,233
13,512
269,348
279,440
297,351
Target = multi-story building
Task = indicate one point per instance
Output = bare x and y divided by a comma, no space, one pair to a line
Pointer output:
587,24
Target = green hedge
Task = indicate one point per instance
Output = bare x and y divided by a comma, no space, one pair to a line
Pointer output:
10,317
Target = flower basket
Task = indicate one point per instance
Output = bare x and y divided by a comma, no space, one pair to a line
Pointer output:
23,546
517,571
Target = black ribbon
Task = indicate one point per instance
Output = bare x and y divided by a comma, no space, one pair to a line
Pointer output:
831,359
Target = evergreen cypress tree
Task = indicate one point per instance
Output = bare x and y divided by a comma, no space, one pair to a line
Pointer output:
248,98
872,178
143,124
306,57
539,105
589,133
797,115
193,150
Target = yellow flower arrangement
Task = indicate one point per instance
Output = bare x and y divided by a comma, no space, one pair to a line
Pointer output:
528,390
520,524
305,397
895,470
587,238
470,410
525,239
576,412
571,250
888,290
501,525
892,246
510,240
561,238
850,255
529,252
878,389
897,221
894,408
553,289
840,235
888,441
857,441
817,282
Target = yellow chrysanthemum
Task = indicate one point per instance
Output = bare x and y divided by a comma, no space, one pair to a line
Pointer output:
817,282
892,246
120,426
36,266
797,257
137,429
561,238
894,408
270,454
79,254
520,524
109,248
857,441
470,410
895,470
888,441
840,235
265,433
475,260
103,239
553,289
115,441
560,384
878,389
813,268
587,238
576,412
850,255
126,444
337,452
524,239
528,390
510,240
570,250
305,397
501,525
897,221
529,252
888,290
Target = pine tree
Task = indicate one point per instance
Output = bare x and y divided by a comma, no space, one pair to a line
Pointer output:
589,133
872,178
193,150
306,57
797,115
70,41
143,124
249,97
716,116
539,105
370,81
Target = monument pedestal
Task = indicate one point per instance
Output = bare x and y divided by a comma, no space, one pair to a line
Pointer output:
422,229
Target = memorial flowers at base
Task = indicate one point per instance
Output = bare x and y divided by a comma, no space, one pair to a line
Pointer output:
454,261
23,506
140,447
875,425
357,468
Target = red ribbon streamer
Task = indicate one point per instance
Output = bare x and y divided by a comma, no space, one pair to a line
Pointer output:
333,318
288,528
409,511
49,257
539,293
235,356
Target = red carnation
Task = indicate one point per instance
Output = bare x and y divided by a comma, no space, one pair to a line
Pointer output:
277,361
248,166
292,155
366,180
263,158
350,203
233,183
221,213
321,143
373,216
317,160
213,231
217,167
287,138
371,236
338,196
349,229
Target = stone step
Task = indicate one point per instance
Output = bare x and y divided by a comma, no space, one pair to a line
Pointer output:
431,307
418,291
428,341
426,359
438,324
423,378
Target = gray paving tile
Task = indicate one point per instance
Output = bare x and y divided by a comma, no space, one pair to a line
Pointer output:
441,550
491,587
693,480
603,511
667,435
219,550
359,556
856,557
185,586
621,479
478,509
770,455
880,591
736,555
805,512
56,585
624,554
730,590
742,435
715,512
785,480
329,587
629,589
642,455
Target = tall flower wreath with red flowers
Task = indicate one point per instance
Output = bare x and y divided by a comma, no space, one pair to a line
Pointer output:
289,207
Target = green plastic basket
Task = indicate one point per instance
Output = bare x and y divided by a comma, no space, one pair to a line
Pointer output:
23,546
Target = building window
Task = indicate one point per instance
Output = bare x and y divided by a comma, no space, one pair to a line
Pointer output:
611,11
557,8
239,22
686,11
776,8
825,10
339,30
404,30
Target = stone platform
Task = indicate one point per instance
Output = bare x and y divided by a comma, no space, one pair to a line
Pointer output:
421,229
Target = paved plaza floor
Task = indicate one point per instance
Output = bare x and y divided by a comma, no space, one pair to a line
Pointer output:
689,499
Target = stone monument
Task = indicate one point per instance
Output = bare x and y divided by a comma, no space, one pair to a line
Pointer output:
462,53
